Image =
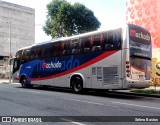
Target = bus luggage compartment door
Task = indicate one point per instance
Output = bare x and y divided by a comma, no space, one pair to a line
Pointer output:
97,77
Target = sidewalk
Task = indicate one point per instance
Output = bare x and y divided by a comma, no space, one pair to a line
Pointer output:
4,81
152,87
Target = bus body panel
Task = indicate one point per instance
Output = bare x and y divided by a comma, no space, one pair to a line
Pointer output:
96,81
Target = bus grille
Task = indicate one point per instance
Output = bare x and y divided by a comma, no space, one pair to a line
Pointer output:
110,75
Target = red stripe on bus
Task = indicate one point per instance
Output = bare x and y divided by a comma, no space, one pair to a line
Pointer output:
99,58
16,78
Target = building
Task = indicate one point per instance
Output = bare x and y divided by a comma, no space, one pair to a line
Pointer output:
146,13
17,23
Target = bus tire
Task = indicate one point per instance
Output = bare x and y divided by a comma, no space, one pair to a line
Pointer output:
77,85
23,83
45,86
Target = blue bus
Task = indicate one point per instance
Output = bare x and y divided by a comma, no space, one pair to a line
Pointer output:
112,59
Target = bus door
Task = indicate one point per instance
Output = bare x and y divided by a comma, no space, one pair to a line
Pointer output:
97,77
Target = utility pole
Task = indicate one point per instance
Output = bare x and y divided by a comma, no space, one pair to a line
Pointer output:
9,50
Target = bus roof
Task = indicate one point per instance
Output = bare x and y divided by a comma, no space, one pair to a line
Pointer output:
24,48
75,36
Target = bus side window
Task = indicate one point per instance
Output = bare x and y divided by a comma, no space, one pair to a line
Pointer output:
19,54
57,50
26,55
64,49
38,52
43,54
32,54
47,51
108,41
80,45
68,47
87,44
54,50
61,48
76,46
97,43
112,40
23,56
117,39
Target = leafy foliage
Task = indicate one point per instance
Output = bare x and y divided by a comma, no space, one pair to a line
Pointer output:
64,19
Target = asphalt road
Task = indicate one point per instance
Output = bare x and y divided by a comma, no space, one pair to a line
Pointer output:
18,101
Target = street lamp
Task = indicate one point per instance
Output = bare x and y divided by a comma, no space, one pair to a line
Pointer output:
9,50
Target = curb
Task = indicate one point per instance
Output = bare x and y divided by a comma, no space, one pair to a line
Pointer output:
137,94
8,83
5,83
147,95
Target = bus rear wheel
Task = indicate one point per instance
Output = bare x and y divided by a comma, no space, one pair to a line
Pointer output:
77,85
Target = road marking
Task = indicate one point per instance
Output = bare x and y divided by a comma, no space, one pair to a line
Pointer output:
95,103
9,83
16,83
67,120
136,105
29,91
7,90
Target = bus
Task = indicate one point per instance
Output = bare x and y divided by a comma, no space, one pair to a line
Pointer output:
119,58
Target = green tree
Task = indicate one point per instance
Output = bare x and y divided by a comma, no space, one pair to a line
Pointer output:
64,19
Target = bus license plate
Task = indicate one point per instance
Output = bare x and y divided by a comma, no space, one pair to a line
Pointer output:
141,77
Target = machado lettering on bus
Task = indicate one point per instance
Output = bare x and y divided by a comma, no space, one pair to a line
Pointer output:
58,64
134,33
140,41
139,35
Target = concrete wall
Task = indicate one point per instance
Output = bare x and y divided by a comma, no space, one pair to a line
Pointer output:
22,27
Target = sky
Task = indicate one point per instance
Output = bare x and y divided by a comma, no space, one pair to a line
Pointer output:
111,13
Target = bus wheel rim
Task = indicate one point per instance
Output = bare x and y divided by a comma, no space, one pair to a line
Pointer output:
24,82
77,86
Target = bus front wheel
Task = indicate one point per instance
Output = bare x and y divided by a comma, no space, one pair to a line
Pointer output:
77,85
24,83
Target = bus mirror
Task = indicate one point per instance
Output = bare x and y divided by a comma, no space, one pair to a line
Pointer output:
11,61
